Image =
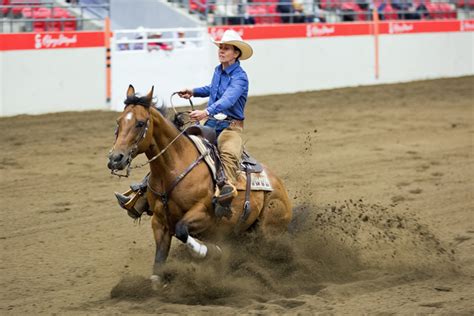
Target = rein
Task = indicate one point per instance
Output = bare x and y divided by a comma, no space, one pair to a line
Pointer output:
164,196
171,102
159,154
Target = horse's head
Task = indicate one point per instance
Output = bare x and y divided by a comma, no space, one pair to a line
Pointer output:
133,132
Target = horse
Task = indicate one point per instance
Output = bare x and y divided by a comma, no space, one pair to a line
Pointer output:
181,187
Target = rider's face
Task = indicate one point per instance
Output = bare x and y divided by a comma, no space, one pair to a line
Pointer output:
227,54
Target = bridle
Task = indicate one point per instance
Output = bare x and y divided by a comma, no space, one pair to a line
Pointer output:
164,196
140,137
133,151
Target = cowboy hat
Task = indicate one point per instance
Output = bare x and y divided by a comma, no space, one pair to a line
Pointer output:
231,37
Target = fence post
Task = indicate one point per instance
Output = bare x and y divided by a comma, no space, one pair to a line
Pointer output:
108,60
375,19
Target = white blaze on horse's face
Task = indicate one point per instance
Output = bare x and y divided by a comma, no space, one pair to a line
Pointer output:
129,116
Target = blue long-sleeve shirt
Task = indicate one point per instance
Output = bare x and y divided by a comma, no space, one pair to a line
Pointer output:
227,92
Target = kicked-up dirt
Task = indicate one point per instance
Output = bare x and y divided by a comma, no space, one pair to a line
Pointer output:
382,183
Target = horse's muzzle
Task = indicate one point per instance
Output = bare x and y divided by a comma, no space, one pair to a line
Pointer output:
118,161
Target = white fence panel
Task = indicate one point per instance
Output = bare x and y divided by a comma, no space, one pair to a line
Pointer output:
142,58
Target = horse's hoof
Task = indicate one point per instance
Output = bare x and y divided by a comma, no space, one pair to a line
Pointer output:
155,282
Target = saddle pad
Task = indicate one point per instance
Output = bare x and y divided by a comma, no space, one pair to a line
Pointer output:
258,182
202,149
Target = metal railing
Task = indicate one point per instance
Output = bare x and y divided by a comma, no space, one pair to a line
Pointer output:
78,14
164,39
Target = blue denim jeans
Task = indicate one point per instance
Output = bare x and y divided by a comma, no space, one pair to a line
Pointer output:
219,126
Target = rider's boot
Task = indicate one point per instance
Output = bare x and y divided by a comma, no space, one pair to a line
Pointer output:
227,193
134,200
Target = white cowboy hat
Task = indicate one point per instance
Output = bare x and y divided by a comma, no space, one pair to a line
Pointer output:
231,37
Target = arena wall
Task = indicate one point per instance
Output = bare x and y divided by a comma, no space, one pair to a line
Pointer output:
315,57
52,72
303,57
410,57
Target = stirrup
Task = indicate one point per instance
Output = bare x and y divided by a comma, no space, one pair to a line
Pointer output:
133,204
128,199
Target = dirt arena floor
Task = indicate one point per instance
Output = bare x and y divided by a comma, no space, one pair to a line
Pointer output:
382,183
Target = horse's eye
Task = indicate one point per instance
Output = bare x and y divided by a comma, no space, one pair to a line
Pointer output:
140,124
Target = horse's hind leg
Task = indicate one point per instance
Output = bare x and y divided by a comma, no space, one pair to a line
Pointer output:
195,221
277,212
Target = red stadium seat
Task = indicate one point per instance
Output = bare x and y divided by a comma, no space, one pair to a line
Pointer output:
433,11
41,14
200,6
271,9
5,10
256,12
19,5
465,3
447,11
388,12
357,13
70,25
27,13
59,13
39,26
253,11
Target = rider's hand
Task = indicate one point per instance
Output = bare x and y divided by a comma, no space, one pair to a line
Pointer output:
198,115
185,93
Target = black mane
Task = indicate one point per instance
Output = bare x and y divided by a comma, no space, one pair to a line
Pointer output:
145,102
138,100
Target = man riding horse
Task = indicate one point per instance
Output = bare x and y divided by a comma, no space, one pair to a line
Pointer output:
224,113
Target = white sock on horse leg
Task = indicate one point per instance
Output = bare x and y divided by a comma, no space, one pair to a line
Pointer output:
199,249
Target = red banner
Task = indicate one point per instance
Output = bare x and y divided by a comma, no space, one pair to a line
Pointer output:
467,26
51,40
407,27
278,31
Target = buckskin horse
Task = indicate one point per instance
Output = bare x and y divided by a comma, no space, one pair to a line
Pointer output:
181,188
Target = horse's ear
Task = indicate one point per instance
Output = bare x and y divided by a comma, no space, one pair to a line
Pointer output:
130,91
149,96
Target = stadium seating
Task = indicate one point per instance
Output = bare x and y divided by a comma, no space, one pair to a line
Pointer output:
200,6
439,11
19,5
264,11
60,13
38,16
465,4
62,20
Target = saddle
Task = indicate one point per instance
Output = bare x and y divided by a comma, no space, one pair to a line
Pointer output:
254,176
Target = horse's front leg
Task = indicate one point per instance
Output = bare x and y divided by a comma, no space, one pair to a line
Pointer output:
162,236
196,221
